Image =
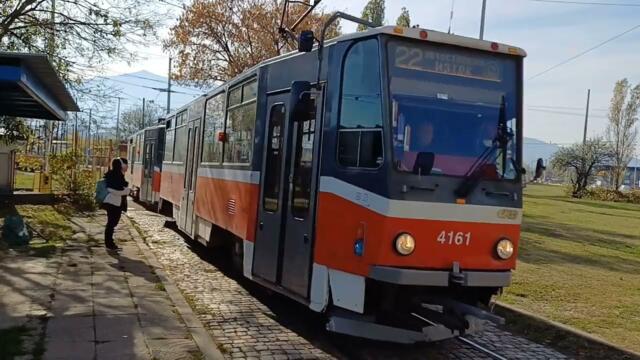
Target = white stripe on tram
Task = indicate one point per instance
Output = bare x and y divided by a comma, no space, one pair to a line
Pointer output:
245,176
419,209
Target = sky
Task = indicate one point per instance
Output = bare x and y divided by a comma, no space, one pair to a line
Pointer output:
554,103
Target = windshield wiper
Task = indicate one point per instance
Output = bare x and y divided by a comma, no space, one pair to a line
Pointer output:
473,175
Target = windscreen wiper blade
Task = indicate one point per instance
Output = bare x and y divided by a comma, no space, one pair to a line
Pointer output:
501,140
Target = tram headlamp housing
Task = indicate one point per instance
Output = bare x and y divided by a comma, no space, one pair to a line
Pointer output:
504,248
405,244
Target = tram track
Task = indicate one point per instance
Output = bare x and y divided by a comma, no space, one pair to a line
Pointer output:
468,342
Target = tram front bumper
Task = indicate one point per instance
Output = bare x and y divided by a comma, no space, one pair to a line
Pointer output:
402,276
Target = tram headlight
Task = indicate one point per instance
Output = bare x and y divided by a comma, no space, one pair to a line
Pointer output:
504,248
405,244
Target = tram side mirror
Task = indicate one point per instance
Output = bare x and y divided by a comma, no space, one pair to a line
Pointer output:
305,41
300,100
424,163
540,168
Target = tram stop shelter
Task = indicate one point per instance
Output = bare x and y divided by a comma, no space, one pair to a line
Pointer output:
29,88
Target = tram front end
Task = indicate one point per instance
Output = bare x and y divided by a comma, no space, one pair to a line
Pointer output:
419,243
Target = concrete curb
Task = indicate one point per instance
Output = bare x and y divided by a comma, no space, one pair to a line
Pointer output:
200,335
567,329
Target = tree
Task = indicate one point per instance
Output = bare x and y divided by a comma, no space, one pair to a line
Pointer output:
82,35
374,12
215,40
622,132
579,161
131,119
13,130
404,19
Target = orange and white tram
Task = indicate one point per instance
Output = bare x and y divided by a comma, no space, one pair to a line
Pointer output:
146,154
388,184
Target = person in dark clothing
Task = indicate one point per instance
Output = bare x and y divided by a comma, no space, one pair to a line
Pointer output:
116,201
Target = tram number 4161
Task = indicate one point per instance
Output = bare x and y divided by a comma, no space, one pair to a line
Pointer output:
454,238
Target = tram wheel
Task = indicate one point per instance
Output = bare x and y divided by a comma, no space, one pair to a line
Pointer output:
237,255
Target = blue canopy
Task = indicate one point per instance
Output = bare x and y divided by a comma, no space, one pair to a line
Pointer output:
30,88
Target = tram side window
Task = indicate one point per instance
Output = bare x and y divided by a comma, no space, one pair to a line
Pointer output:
180,150
360,127
168,150
214,123
271,196
241,118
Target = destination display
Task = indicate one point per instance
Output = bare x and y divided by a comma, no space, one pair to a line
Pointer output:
446,61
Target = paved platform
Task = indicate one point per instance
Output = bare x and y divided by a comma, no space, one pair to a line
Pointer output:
85,302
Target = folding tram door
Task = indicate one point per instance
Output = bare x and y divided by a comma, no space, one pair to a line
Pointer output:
147,170
185,220
283,251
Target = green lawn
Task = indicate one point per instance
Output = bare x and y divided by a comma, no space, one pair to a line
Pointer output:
24,180
579,264
50,224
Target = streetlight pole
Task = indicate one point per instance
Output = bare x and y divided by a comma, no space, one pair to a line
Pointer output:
484,8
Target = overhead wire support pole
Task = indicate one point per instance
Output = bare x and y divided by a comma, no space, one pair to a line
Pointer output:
586,118
484,9
142,120
169,88
118,123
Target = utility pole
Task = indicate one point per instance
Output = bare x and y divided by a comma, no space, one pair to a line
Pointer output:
118,124
51,49
586,118
484,8
89,135
451,16
75,134
142,123
169,88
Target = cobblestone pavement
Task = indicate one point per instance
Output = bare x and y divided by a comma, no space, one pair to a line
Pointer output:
248,321
83,302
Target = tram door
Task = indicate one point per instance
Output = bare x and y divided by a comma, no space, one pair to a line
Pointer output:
190,177
284,241
147,171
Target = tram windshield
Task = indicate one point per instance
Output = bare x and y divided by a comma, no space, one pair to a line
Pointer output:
448,107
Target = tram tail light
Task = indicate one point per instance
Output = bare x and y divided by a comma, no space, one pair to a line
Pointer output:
222,136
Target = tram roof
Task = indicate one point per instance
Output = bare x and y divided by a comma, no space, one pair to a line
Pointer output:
413,33
432,36
437,37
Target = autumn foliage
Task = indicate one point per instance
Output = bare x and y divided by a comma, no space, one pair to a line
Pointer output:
215,40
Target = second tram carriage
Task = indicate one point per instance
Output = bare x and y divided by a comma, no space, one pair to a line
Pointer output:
390,187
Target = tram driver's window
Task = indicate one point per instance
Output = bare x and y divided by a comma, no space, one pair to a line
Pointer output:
360,127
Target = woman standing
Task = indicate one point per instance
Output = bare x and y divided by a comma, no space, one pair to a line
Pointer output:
116,201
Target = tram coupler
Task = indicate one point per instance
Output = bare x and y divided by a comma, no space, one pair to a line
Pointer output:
462,309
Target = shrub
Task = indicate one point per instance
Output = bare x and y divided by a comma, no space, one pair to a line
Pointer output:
29,163
79,185
603,194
